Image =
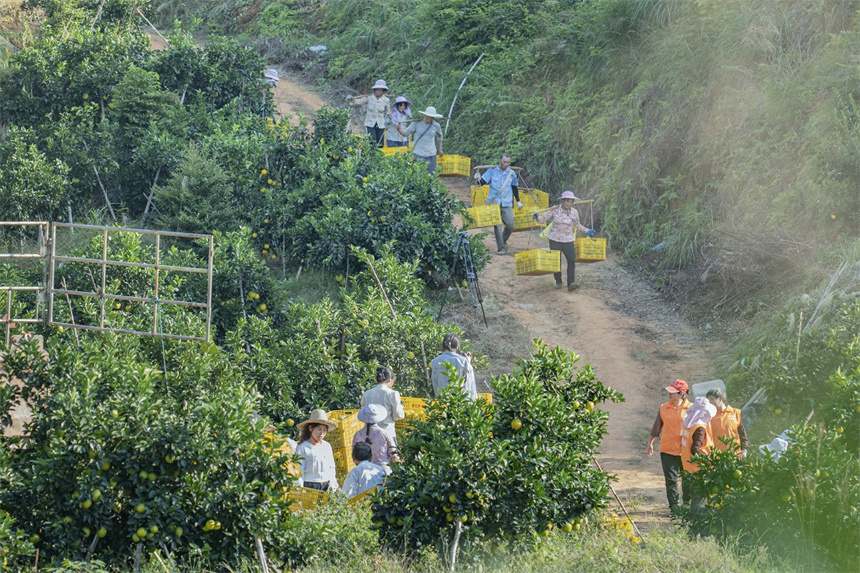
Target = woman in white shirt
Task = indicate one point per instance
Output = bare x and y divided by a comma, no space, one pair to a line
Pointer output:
318,470
385,396
376,111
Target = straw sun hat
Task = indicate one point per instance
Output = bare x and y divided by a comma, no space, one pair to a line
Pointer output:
318,416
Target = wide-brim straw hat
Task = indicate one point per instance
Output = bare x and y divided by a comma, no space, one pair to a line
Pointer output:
569,195
380,85
401,99
318,416
431,112
372,414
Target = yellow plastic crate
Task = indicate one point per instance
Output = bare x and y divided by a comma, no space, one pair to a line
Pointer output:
534,198
479,194
523,220
389,151
453,166
485,216
537,262
340,439
364,496
485,396
306,499
414,409
590,250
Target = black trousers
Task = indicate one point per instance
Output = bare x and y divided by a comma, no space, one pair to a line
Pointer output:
672,473
377,134
569,252
318,485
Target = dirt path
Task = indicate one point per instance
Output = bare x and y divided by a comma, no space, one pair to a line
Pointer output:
621,326
636,342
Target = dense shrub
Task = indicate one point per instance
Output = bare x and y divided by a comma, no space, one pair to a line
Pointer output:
513,469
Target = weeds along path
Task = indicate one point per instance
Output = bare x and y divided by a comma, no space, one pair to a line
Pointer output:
636,342
291,98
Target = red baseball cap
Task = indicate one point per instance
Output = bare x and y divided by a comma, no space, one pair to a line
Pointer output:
678,386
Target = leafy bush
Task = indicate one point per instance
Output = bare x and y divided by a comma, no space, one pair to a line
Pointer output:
120,452
513,469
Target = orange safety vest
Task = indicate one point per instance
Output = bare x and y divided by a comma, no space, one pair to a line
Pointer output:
670,437
687,445
725,425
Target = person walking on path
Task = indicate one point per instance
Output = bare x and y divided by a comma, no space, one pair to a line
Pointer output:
376,111
462,363
383,395
562,234
382,448
726,425
667,427
318,470
425,134
400,114
504,192
696,440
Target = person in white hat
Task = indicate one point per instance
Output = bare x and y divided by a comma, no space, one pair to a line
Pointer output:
696,439
318,470
562,235
382,448
377,109
425,134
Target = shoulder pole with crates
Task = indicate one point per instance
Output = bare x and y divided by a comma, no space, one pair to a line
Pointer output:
463,251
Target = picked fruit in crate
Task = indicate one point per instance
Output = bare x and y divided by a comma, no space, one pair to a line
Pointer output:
534,198
453,165
590,249
524,220
537,262
479,194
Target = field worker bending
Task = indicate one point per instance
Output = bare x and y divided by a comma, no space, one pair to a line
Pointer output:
462,363
667,427
562,234
365,475
384,395
381,446
726,423
695,439
376,110
425,134
504,190
318,471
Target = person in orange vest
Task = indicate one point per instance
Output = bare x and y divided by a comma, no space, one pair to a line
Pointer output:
667,427
695,439
727,423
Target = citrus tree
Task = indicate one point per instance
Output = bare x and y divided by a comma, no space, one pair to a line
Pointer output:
120,453
518,468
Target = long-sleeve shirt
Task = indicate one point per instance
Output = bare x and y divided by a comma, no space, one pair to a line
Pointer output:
381,445
394,119
362,477
317,463
501,186
667,426
385,396
464,370
729,425
376,109
564,224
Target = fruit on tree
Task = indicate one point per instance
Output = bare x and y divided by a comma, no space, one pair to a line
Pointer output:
101,532
141,532
140,508
589,406
516,424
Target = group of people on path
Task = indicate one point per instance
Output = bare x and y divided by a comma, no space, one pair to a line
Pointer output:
374,447
687,428
392,125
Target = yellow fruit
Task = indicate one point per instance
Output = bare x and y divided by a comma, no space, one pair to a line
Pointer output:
549,526
577,526
464,518
97,494
209,525
464,284
516,424
60,328
291,423
254,235
141,532
217,525
273,257
143,474
778,412
449,517
840,429
114,413
263,307
447,509
263,172
135,537
140,508
545,533
410,355
153,529
832,217
34,539
178,532
576,405
568,527
105,466
112,483
265,246
452,498
364,179
470,495
117,306
86,504
589,406
101,532
266,221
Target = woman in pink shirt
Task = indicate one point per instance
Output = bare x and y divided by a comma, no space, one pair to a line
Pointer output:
565,223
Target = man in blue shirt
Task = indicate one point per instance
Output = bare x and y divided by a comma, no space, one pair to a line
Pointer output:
504,188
